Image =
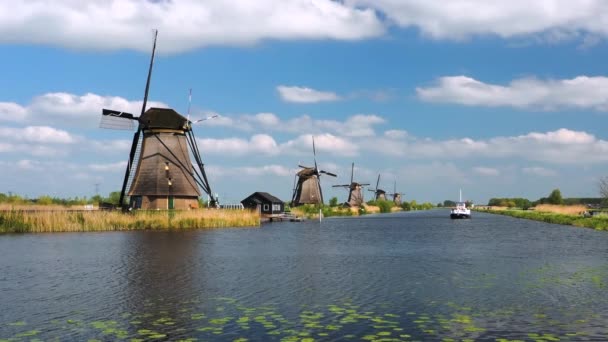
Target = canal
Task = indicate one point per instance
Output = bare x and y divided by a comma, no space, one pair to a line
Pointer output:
414,276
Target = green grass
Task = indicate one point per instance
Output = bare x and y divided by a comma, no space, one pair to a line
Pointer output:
598,223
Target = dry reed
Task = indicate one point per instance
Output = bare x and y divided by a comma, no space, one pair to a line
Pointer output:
16,221
561,209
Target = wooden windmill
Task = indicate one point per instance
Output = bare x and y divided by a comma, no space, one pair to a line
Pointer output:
355,195
307,185
379,194
396,195
159,173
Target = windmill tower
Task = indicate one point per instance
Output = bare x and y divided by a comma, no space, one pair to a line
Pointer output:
159,173
396,195
355,196
307,189
379,194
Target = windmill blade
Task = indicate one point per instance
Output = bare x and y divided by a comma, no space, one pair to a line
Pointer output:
305,167
114,119
364,184
352,172
314,152
341,186
378,182
328,173
143,106
204,119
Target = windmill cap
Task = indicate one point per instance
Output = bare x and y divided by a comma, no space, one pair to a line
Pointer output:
165,118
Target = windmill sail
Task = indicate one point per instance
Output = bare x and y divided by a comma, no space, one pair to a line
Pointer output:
379,194
307,190
159,173
355,195
396,195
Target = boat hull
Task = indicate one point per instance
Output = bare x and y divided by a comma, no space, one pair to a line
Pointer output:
460,216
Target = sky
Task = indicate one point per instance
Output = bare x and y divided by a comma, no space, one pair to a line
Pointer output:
497,98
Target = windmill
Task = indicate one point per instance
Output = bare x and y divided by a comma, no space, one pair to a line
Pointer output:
307,184
379,194
159,173
396,195
355,196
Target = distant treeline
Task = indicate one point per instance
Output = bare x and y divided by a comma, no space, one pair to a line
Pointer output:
525,203
14,199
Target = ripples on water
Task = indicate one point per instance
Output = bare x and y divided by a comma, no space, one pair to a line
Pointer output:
405,276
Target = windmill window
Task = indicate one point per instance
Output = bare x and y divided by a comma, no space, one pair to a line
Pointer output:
166,166
276,207
266,207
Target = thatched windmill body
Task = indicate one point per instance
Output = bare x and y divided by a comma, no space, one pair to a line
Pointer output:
307,185
159,173
355,195
396,195
379,194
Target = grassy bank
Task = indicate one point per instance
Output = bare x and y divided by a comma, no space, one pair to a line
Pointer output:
598,223
17,221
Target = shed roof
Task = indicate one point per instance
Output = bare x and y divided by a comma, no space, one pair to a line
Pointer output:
263,196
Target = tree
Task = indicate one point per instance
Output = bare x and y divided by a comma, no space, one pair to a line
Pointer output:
333,202
448,203
603,185
555,197
114,197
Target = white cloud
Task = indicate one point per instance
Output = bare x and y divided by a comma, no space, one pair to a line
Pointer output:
539,171
552,20
562,146
305,95
259,143
486,171
359,125
183,25
581,92
72,110
396,134
36,134
110,167
324,143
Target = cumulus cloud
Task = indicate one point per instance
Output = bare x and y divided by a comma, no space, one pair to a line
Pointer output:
327,143
562,146
581,92
183,25
486,171
36,134
305,95
539,171
552,20
73,110
259,143
395,134
109,167
359,125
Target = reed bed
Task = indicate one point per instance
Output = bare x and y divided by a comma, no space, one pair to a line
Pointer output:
561,209
17,221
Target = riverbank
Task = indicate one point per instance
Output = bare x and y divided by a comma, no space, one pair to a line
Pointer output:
578,220
20,221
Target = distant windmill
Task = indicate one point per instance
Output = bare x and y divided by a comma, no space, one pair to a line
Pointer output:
159,173
379,194
307,184
355,196
396,195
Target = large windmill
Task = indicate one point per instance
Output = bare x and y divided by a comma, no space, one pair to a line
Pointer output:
396,195
379,194
159,173
307,188
355,196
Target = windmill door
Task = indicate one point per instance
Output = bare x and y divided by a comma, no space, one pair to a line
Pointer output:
171,203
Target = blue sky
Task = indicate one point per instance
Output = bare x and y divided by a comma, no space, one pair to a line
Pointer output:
501,99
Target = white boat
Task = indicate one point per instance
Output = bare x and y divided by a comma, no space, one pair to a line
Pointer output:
461,211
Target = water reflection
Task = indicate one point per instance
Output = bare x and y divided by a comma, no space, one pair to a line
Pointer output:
403,276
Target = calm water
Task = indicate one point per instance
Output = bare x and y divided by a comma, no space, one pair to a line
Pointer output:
406,276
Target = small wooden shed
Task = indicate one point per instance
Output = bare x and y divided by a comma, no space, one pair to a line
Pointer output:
265,203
